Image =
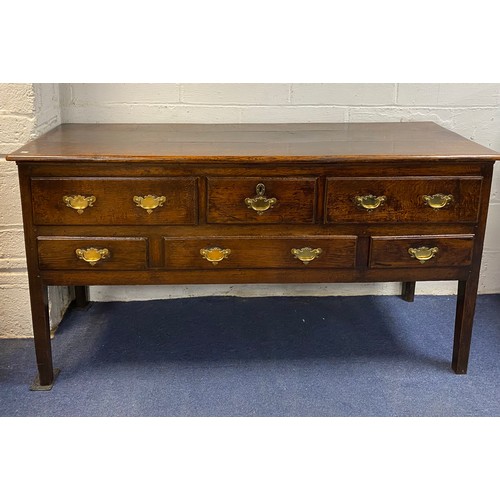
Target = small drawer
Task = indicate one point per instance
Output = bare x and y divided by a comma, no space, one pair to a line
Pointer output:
92,253
402,199
114,201
419,251
261,200
249,252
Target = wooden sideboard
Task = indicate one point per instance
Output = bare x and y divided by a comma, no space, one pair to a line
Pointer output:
136,204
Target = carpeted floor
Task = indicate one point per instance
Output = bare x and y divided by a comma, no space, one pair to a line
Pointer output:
276,356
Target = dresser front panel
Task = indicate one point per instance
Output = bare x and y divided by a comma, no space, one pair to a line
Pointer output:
329,252
435,251
115,201
402,199
61,253
306,226
230,199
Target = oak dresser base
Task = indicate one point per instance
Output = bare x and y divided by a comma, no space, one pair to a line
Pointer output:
153,204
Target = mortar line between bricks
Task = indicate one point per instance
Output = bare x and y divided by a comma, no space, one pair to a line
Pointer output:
13,114
302,105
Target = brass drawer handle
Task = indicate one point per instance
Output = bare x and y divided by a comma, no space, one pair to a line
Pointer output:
423,254
260,203
149,202
306,254
215,254
79,202
370,201
438,200
92,255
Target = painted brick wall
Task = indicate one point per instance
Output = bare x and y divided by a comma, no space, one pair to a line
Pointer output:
26,111
472,110
17,120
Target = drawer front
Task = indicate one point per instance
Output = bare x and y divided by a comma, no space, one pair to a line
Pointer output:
403,199
92,253
255,252
257,200
420,251
112,201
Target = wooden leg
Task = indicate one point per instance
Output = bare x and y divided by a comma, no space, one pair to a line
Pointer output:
408,291
466,304
81,296
41,330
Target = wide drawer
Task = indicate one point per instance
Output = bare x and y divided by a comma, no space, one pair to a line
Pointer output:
92,253
105,200
255,252
402,199
418,251
268,200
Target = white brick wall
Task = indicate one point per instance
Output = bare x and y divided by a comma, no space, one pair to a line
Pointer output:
47,107
17,120
231,94
26,111
343,94
16,99
472,110
448,94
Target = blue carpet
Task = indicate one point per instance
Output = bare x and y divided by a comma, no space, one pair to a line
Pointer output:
276,356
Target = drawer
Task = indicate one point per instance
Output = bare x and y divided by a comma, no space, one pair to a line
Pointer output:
419,251
92,253
247,252
402,199
261,200
114,201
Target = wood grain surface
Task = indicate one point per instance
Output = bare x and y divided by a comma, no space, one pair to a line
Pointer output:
337,142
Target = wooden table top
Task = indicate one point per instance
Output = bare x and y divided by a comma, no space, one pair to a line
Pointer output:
325,142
